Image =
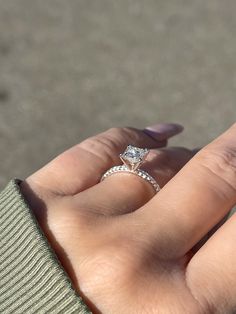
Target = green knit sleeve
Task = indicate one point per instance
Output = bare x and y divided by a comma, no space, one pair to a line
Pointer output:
32,279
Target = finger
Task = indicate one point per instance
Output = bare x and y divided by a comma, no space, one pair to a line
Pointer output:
197,198
124,192
164,163
82,166
211,272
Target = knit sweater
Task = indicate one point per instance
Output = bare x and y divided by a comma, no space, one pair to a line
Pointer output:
32,280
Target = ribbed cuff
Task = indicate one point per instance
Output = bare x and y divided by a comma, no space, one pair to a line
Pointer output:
31,277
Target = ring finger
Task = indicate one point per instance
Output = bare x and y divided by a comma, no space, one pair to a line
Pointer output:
82,166
124,192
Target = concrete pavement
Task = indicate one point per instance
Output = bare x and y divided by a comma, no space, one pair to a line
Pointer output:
70,69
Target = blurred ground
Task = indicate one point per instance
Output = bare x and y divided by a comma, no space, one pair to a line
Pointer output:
72,68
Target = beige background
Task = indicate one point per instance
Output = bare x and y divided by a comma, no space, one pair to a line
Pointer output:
69,69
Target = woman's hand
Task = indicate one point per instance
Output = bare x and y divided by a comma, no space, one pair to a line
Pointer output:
129,252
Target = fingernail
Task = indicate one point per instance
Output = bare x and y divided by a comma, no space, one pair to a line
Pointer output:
163,131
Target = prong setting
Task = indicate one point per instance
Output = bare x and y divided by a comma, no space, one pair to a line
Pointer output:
133,157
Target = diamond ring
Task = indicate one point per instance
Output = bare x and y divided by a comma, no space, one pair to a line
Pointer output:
132,158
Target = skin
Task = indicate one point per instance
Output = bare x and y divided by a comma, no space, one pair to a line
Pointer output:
127,250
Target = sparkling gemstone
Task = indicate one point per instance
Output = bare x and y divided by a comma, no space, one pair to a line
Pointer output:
134,154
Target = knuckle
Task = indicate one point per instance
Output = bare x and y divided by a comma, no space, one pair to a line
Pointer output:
122,134
225,159
221,163
100,146
101,140
114,138
109,143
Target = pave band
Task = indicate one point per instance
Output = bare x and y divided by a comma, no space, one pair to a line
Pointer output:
138,172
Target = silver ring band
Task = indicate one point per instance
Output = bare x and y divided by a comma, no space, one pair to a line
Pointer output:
138,172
